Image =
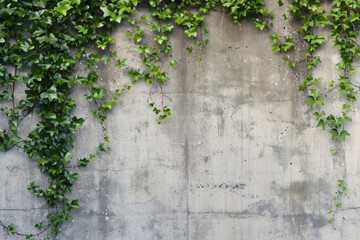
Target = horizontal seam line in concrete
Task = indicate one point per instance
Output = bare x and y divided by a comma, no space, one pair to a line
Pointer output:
22,209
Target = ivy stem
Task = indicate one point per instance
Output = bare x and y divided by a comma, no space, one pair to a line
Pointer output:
151,91
162,96
112,57
13,91
24,235
161,87
97,107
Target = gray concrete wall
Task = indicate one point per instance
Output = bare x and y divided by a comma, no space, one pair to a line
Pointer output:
240,158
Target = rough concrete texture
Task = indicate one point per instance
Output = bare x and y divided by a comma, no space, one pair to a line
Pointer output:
240,158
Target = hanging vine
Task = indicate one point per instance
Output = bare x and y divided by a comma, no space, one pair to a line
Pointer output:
343,18
41,44
43,41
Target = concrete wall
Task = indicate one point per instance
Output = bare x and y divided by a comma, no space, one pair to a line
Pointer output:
241,157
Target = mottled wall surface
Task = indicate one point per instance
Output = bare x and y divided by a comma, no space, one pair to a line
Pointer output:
240,158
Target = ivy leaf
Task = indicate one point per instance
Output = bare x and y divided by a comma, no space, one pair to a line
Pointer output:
343,134
38,225
82,28
274,37
168,27
259,24
191,32
101,147
291,64
83,162
28,236
155,26
346,107
40,3
334,133
75,204
72,177
134,75
50,115
67,158
26,45
11,229
132,20
5,95
334,152
106,10
121,63
63,7
172,63
106,59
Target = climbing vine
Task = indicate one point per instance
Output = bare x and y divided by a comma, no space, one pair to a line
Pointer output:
343,18
42,42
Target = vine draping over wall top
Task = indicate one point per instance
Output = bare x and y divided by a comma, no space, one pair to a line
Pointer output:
43,41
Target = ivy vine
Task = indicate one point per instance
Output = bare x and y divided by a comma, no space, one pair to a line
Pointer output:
343,19
43,41
41,44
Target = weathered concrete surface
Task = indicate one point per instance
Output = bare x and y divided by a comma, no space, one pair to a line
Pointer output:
240,158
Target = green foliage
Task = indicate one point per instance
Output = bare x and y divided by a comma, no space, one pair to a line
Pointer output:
11,229
343,19
285,46
44,40
341,189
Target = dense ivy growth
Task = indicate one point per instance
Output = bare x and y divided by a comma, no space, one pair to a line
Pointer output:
43,41
41,44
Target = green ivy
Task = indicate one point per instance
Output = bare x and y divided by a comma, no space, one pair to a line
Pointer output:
44,40
343,19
